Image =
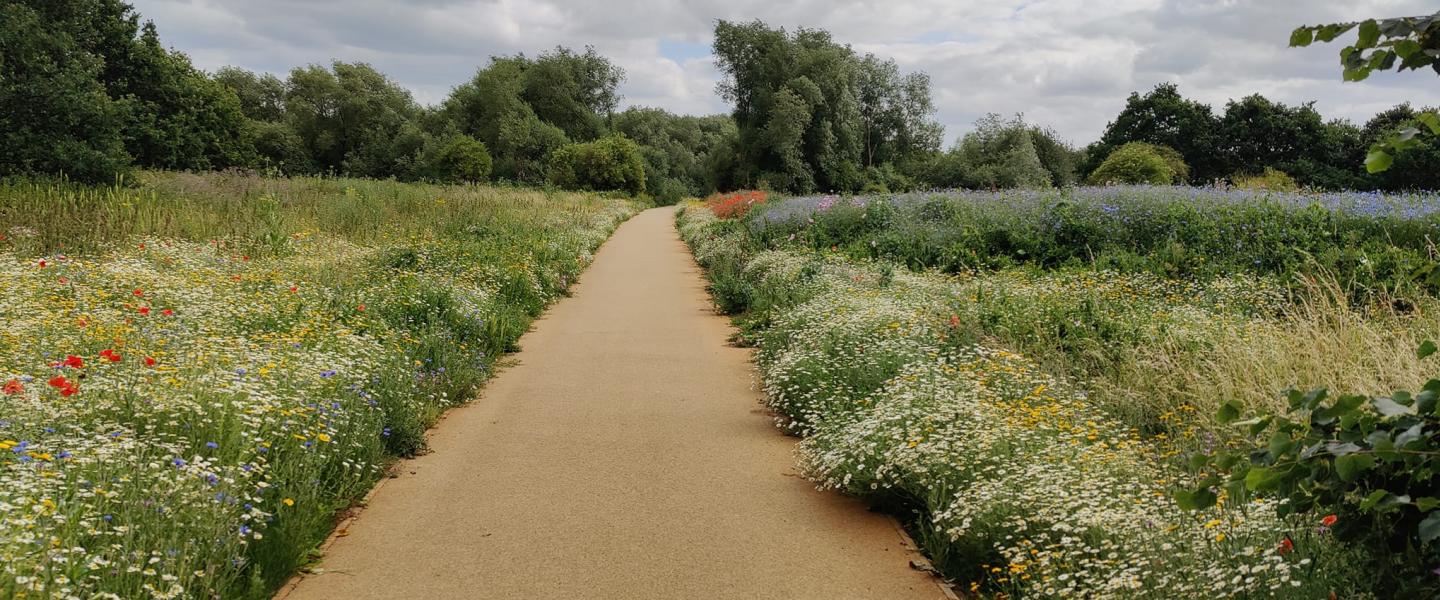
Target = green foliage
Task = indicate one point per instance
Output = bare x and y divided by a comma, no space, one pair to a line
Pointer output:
55,115
462,159
1138,162
524,109
1418,167
812,114
682,149
1164,118
1269,179
352,119
613,162
1002,154
1368,463
1405,43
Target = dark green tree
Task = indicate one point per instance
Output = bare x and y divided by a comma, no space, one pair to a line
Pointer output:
609,163
55,115
354,120
1418,167
1165,118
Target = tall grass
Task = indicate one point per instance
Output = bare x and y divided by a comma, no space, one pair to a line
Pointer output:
248,354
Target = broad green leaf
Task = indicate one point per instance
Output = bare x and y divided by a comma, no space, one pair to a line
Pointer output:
1405,48
1280,443
1378,160
1301,37
1199,499
1427,503
1374,498
1229,412
1263,479
1369,34
1430,527
1391,408
1415,432
1351,466
1431,120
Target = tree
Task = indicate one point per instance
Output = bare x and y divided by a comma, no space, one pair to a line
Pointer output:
461,159
1257,133
262,97
352,119
609,163
55,115
1418,167
1001,153
811,115
1135,162
1164,118
677,148
1404,43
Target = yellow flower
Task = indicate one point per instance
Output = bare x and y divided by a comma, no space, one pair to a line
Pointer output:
288,502
324,437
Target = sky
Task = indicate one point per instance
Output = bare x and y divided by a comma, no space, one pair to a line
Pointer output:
1065,64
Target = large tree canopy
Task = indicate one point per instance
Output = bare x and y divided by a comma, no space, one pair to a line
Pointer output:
1164,118
811,114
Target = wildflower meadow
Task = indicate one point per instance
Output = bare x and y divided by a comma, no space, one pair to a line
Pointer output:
198,372
1030,379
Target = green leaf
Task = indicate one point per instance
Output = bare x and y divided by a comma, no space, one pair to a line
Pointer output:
1229,412
1405,48
1431,120
1369,34
1427,503
1430,527
1391,408
1328,33
1199,499
1374,498
1301,37
1351,466
1378,160
1280,443
1263,479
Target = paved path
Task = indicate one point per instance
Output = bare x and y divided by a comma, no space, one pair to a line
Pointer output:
624,456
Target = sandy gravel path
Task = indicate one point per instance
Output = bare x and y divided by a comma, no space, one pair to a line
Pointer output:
624,456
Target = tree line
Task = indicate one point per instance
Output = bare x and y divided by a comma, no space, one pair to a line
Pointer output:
88,91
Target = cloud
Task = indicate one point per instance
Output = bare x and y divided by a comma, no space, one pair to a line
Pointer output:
1067,64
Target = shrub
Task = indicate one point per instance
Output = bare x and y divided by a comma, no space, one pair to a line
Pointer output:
1136,162
462,159
1269,179
613,162
670,192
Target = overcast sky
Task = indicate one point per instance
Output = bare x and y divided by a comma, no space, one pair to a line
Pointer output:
1068,64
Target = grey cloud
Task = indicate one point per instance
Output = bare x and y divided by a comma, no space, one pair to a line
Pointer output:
1065,63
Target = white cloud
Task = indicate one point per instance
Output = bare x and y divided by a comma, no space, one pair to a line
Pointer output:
1068,64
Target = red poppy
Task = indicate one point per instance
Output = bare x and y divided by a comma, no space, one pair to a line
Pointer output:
1285,546
58,381
142,245
1329,520
110,355
245,257
69,390
42,263
81,322
74,362
235,277
954,320
13,387
294,289
139,293
64,280
360,308
149,362
167,312
144,310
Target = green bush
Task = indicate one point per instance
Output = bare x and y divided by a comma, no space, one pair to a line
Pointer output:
613,162
1269,179
670,192
462,159
1138,162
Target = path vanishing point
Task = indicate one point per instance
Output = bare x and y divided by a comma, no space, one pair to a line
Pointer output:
624,456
